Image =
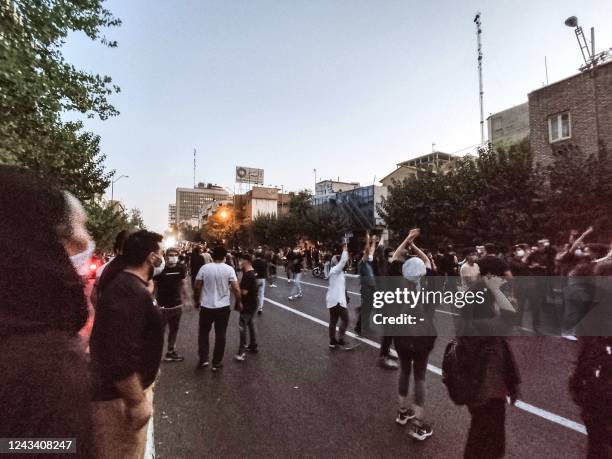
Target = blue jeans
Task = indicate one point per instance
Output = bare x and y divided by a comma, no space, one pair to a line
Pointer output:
246,322
297,285
261,290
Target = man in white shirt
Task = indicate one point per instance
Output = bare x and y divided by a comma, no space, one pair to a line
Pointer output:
336,300
470,271
212,296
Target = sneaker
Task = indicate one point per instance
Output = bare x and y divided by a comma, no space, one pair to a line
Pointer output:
252,349
240,357
291,298
341,342
392,357
173,357
333,344
202,365
420,431
273,286
569,337
216,366
259,311
403,416
299,295
388,363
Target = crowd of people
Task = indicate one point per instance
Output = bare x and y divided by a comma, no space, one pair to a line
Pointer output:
55,384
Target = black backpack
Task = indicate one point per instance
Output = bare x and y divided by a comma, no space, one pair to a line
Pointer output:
461,373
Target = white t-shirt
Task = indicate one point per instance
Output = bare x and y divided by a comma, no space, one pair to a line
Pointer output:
216,278
469,272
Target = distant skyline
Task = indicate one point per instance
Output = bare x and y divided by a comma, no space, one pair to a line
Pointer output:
350,88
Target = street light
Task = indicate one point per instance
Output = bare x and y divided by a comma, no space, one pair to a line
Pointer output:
113,185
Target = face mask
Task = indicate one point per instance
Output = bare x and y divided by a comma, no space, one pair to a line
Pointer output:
157,270
520,253
172,260
578,253
79,261
390,259
370,258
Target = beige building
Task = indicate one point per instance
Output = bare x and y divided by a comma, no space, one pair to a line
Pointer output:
261,201
509,127
333,186
437,161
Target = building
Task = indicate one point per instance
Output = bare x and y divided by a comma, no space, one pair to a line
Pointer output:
191,201
509,127
437,161
261,201
209,209
332,186
171,215
360,205
574,112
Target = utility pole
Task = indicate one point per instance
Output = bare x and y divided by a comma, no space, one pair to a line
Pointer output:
481,90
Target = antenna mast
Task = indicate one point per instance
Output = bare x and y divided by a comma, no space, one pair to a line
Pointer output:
481,91
194,167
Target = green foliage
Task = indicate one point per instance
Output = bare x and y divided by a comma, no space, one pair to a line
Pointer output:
104,223
38,87
499,196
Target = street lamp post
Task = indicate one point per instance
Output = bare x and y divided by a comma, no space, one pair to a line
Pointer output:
113,185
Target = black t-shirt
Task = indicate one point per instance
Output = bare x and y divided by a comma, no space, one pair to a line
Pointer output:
297,261
249,283
169,284
127,336
490,264
261,268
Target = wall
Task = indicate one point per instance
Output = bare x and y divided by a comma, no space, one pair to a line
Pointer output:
576,95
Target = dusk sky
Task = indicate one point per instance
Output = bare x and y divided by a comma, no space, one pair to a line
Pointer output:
347,87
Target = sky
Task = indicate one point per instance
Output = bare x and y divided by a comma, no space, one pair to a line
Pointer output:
350,88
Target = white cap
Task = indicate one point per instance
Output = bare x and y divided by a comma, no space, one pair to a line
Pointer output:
413,269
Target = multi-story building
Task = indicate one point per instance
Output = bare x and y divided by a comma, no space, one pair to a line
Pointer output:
171,215
261,201
190,202
360,205
574,112
211,208
333,186
509,127
437,161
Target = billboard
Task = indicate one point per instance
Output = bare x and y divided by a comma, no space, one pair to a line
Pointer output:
249,175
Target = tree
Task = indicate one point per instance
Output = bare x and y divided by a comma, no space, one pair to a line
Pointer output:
105,221
136,220
39,87
300,203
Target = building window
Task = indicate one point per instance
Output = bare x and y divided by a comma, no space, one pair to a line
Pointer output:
559,127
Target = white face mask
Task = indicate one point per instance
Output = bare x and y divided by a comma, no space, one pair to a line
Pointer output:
80,260
520,253
578,252
157,270
370,258
389,259
172,260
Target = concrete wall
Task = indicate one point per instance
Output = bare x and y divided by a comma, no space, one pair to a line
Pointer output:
510,126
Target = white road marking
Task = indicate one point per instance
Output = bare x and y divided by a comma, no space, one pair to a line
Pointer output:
552,417
150,448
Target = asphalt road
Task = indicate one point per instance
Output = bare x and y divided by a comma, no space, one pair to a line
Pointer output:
296,398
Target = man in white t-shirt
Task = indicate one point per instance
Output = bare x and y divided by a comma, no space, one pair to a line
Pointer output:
212,296
470,271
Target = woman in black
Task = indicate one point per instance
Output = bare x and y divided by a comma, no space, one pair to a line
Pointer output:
44,386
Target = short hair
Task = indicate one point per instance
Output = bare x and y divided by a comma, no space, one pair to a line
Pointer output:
139,245
219,253
470,251
490,248
245,257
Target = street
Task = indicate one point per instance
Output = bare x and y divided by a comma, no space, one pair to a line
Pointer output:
298,398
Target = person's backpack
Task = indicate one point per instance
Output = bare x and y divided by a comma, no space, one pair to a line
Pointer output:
460,373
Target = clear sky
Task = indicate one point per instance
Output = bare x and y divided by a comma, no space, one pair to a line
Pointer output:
347,87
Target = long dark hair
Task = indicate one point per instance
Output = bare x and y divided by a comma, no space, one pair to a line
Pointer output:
39,288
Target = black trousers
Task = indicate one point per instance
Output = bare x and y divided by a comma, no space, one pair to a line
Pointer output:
385,346
335,313
172,320
219,317
487,435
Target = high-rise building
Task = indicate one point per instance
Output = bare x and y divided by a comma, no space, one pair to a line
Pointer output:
171,215
191,201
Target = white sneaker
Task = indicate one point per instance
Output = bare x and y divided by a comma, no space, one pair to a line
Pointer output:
241,357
